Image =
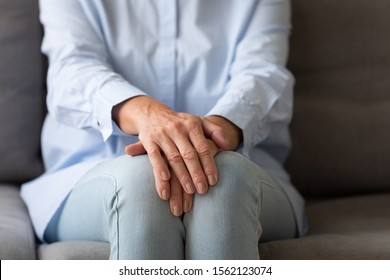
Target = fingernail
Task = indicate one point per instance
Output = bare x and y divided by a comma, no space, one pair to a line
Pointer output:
164,194
202,188
190,188
177,210
212,180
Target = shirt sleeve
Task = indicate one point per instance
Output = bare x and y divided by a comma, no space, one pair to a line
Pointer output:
258,96
82,86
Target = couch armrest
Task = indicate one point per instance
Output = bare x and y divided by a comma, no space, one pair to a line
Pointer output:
17,239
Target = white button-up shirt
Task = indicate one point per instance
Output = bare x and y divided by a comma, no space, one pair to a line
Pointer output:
204,57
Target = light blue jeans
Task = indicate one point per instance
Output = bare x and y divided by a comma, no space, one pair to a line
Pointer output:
117,202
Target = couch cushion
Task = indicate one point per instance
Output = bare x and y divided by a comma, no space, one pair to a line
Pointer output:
340,129
21,90
17,240
344,228
74,250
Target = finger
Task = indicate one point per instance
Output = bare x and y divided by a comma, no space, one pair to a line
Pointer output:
209,165
176,199
163,188
135,149
205,154
192,163
160,171
176,161
187,202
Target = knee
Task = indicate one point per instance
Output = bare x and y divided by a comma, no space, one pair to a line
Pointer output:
237,174
234,200
136,192
133,177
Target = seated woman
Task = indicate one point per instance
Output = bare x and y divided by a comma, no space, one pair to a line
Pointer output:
167,128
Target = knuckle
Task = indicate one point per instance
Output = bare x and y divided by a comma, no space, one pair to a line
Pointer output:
154,153
189,154
174,126
197,176
203,149
156,133
192,121
184,179
195,126
174,158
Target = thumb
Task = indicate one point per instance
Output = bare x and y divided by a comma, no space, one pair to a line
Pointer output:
216,134
135,149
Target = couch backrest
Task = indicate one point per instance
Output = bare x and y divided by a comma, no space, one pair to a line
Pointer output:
340,56
21,90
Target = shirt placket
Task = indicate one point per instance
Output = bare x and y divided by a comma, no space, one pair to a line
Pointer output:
166,63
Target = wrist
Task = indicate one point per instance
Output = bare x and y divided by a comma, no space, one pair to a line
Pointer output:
124,113
134,113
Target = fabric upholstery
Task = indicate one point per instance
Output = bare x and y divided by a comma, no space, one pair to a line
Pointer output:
340,58
17,240
350,246
355,227
74,250
21,90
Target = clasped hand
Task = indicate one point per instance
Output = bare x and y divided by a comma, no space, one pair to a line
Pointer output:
181,147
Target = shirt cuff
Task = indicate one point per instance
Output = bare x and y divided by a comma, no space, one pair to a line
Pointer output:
246,114
111,94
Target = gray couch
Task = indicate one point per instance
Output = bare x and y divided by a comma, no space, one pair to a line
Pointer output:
341,131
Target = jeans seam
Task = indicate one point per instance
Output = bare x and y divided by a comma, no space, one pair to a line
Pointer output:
115,207
116,213
262,183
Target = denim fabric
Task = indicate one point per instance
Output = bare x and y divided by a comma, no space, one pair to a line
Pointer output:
117,202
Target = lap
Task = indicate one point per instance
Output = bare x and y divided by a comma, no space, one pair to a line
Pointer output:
133,178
